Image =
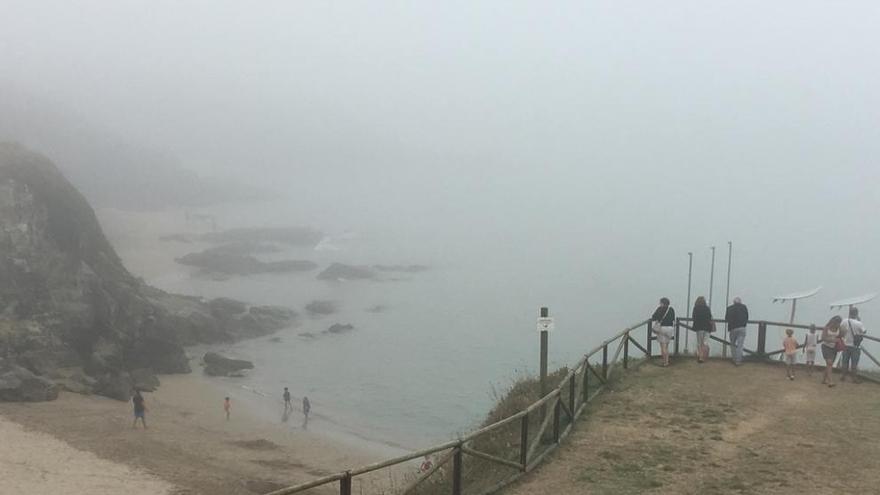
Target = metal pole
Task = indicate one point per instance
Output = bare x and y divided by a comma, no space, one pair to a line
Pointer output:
727,294
545,313
688,307
712,277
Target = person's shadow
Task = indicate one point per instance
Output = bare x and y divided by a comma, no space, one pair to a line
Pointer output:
285,415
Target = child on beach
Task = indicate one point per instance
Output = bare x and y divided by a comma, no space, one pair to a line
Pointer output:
811,341
790,344
226,407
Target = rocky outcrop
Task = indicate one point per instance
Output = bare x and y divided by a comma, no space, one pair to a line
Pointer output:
19,384
217,365
67,302
218,261
340,272
339,328
321,308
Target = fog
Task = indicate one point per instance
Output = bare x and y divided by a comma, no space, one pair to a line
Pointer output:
573,153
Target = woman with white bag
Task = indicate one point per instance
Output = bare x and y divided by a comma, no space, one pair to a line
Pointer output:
662,323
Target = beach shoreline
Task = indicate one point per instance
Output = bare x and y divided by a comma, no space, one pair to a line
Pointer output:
189,443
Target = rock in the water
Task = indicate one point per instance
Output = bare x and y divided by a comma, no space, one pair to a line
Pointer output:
339,328
217,365
340,271
225,306
321,308
379,308
213,261
17,384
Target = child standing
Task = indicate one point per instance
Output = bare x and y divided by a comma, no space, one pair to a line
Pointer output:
226,407
790,344
811,341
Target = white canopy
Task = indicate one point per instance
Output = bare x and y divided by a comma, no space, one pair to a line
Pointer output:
797,295
853,301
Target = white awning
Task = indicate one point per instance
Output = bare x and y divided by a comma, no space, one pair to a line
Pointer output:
853,301
797,295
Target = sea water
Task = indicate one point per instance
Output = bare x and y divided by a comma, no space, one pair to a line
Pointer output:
448,340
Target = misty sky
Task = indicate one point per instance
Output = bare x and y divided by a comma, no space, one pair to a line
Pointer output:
621,131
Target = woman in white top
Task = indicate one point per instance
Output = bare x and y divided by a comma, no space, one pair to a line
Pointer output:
811,341
830,337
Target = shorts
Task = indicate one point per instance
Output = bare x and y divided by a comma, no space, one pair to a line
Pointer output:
791,359
665,335
139,414
702,338
829,353
810,355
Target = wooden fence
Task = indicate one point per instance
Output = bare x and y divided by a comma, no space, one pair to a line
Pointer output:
544,423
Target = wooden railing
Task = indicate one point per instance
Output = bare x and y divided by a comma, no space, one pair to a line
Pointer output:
554,415
529,435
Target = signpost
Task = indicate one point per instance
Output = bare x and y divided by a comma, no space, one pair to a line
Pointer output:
545,324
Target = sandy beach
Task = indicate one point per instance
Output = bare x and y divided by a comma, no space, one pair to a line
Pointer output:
189,447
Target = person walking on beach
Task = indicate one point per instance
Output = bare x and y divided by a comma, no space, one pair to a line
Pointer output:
703,325
662,322
287,405
831,343
855,332
307,406
790,347
226,407
140,409
810,343
737,317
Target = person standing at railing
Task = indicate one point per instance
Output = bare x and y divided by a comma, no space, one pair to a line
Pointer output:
831,343
662,324
855,332
810,343
702,324
737,317
790,347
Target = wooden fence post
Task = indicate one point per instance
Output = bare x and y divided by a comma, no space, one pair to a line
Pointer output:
677,328
648,341
626,350
456,471
345,484
605,362
524,442
556,412
572,395
586,384
762,338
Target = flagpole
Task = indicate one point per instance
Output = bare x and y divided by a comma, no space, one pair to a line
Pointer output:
727,294
688,307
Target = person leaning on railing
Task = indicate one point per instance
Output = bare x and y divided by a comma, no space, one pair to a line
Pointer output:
737,317
855,332
662,324
831,343
703,324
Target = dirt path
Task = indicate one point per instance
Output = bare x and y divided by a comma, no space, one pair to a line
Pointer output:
714,428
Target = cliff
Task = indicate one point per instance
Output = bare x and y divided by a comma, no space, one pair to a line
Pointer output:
69,309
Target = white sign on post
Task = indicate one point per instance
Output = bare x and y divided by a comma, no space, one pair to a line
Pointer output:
545,324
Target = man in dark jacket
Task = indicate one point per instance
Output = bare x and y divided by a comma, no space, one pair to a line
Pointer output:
737,317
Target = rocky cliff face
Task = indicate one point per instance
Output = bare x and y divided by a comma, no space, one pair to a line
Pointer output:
70,311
